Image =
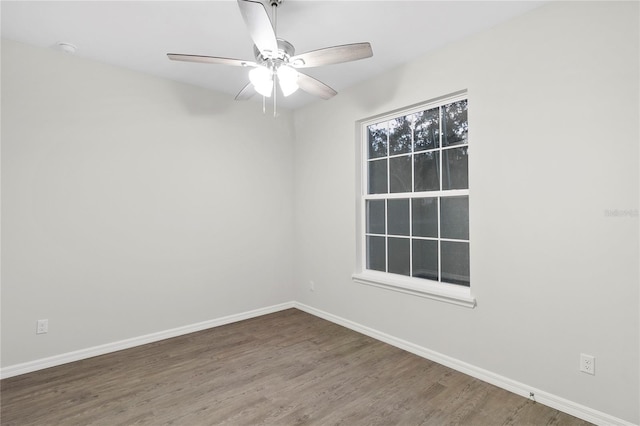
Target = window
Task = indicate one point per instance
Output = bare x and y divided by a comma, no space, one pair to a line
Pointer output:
414,201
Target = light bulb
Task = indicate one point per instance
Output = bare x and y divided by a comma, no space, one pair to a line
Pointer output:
288,78
262,80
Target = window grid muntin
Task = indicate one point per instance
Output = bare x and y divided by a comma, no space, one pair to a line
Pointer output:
439,194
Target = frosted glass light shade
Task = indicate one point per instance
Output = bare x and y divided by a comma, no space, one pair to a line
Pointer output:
288,79
262,80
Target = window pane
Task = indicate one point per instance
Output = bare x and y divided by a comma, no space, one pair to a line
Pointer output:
400,171
399,256
454,217
427,168
427,134
455,164
375,216
454,124
400,135
424,216
376,254
455,262
398,217
425,154
425,259
377,140
378,177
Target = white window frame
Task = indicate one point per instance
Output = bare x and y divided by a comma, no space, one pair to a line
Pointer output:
445,292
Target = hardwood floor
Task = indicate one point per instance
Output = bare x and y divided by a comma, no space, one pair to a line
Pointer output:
287,368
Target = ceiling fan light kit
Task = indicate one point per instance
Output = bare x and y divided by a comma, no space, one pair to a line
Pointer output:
288,79
274,67
262,80
275,64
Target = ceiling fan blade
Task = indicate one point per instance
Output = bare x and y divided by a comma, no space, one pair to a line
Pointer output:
332,55
247,92
210,60
315,87
259,26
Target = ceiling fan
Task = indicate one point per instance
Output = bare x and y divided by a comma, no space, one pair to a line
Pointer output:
275,61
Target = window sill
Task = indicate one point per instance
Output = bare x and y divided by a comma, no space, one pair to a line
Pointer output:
457,295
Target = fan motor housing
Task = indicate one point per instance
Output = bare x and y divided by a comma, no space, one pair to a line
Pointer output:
285,51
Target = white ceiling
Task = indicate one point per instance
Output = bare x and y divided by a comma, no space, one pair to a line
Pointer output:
139,34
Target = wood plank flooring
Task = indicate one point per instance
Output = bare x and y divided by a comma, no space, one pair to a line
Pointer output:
287,368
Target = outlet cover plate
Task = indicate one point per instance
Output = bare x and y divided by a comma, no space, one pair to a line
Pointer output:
42,326
588,364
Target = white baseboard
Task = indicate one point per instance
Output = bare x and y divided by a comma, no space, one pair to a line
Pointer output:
39,364
542,397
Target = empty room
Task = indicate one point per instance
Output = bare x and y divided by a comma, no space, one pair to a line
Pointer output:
320,212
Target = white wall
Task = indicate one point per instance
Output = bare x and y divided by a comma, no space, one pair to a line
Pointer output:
553,119
133,205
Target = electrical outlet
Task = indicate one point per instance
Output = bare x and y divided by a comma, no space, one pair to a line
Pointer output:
312,286
588,364
42,326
